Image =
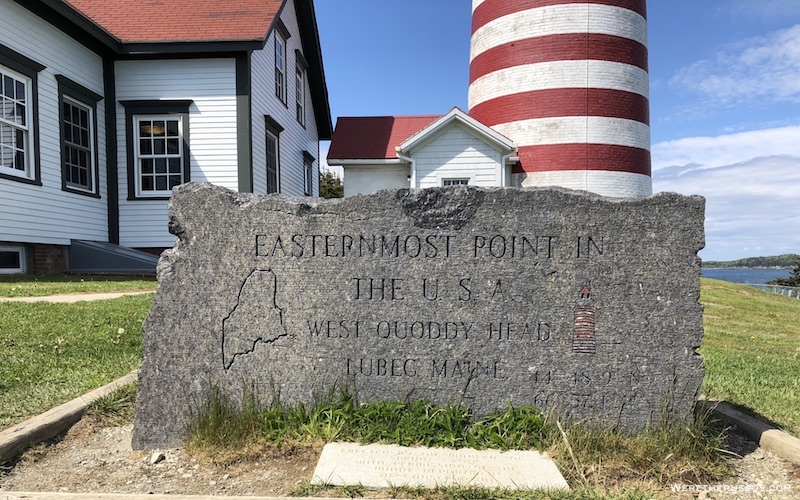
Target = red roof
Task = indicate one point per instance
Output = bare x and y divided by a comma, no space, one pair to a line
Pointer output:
142,21
374,137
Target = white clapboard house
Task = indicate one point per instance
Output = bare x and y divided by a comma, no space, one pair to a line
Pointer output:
392,152
105,105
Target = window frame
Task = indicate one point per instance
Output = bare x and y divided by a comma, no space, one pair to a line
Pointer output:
308,173
301,75
455,181
280,69
282,36
300,96
273,130
22,68
135,112
72,93
20,250
273,185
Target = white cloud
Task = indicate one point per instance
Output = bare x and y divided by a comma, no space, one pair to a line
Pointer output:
752,207
710,152
764,69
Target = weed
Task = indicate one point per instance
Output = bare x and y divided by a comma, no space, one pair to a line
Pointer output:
310,490
329,490
222,425
116,408
517,428
666,453
470,493
589,457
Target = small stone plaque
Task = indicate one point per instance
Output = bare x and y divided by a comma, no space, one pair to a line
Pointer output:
383,466
578,304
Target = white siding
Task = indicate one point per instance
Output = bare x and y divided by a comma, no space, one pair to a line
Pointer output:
46,213
456,153
211,85
368,179
295,138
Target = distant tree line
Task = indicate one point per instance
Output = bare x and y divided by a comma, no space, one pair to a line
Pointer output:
330,186
793,280
787,261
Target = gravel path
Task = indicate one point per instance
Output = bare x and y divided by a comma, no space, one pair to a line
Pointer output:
100,460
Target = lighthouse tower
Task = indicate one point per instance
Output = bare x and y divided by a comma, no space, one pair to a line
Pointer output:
567,81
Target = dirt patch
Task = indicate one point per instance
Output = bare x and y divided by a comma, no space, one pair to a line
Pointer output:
758,474
101,460
96,459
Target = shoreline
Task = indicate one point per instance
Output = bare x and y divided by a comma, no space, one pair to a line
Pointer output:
755,268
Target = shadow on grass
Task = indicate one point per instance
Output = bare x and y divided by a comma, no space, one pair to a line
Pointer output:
755,414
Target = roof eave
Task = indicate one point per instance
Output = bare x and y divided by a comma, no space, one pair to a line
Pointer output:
364,161
189,47
66,17
312,49
73,22
57,12
456,115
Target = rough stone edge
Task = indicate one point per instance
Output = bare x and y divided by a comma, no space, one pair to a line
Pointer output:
49,424
246,199
771,439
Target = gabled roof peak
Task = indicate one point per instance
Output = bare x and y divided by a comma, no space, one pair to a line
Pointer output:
456,115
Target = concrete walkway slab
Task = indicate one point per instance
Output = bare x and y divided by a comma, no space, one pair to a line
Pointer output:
384,466
73,297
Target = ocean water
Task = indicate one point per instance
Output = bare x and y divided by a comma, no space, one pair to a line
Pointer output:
752,276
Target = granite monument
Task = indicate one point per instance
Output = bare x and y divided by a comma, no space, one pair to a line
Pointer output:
569,301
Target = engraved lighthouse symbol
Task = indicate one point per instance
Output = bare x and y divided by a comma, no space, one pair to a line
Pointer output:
583,338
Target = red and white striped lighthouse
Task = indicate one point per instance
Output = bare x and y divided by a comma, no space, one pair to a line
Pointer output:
567,81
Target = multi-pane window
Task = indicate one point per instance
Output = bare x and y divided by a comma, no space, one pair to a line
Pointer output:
157,146
308,172
273,151
300,94
272,163
280,67
159,154
455,182
15,124
78,118
78,144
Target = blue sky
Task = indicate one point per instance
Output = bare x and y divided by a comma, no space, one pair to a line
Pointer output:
725,98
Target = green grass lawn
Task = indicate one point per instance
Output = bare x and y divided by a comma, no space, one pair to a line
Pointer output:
37,286
752,351
52,353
